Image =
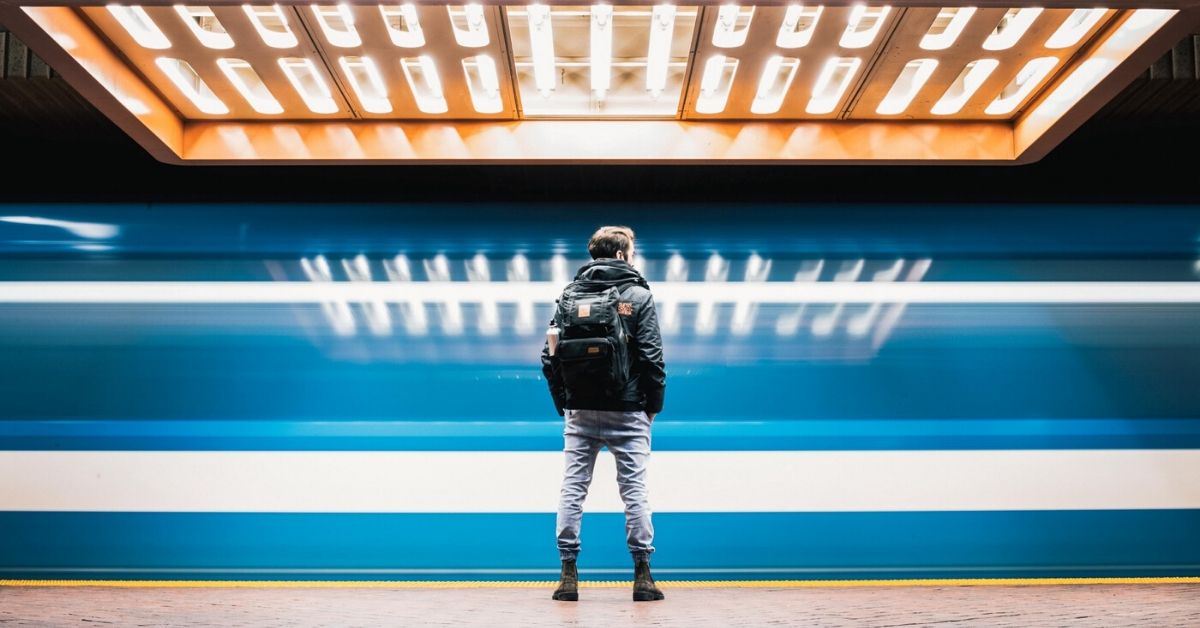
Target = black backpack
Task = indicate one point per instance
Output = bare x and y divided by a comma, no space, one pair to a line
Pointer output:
593,346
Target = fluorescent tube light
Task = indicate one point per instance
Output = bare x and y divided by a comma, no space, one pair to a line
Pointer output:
470,25
483,83
205,26
1022,85
425,83
250,85
715,84
964,86
367,83
912,78
184,76
1078,24
799,24
337,23
139,26
272,25
733,24
403,26
541,40
302,73
774,84
864,24
946,27
1011,27
658,56
601,48
832,84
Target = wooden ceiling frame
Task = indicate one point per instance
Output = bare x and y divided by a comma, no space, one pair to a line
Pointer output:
101,73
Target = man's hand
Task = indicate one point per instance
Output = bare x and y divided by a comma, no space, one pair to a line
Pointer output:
651,415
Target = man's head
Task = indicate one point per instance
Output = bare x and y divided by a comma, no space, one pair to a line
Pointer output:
612,242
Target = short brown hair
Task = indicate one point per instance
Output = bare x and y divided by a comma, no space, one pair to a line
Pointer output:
608,240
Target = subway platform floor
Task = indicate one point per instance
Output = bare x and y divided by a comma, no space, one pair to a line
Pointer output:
1168,603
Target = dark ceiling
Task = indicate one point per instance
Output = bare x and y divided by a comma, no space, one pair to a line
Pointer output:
1141,148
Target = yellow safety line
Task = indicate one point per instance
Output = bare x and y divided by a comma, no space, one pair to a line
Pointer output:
597,584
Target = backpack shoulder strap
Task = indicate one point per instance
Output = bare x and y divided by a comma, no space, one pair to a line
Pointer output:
622,287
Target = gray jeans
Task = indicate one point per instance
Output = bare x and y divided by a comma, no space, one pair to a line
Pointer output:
627,436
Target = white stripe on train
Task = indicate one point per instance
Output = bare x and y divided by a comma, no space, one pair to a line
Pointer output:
545,292
680,481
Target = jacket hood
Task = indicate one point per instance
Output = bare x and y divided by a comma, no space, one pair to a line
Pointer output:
611,271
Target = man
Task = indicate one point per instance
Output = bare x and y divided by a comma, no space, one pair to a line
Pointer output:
609,388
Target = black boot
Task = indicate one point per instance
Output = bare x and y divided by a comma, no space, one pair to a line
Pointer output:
568,585
644,589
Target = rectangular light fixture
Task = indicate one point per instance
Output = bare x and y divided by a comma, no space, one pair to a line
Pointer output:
832,84
302,73
139,25
620,81
1011,27
250,85
469,25
541,38
1078,24
601,38
403,25
733,25
272,25
483,81
799,24
774,85
367,83
337,24
719,72
426,84
946,27
964,86
185,77
1030,76
205,25
658,56
600,60
865,24
912,78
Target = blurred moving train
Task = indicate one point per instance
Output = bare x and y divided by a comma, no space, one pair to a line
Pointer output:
353,392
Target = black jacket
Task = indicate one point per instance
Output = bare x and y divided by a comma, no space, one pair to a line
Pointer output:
647,373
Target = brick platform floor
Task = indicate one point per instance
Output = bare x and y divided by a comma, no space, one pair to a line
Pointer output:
1166,605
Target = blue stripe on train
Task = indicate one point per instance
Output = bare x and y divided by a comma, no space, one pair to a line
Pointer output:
838,434
847,545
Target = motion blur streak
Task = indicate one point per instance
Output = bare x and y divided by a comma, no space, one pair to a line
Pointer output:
232,391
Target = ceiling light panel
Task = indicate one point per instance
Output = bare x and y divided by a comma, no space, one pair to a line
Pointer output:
356,53
789,81
946,80
418,52
809,35
949,38
140,27
248,47
205,25
561,54
596,61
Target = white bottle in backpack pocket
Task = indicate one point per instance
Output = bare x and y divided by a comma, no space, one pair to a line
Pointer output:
552,333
